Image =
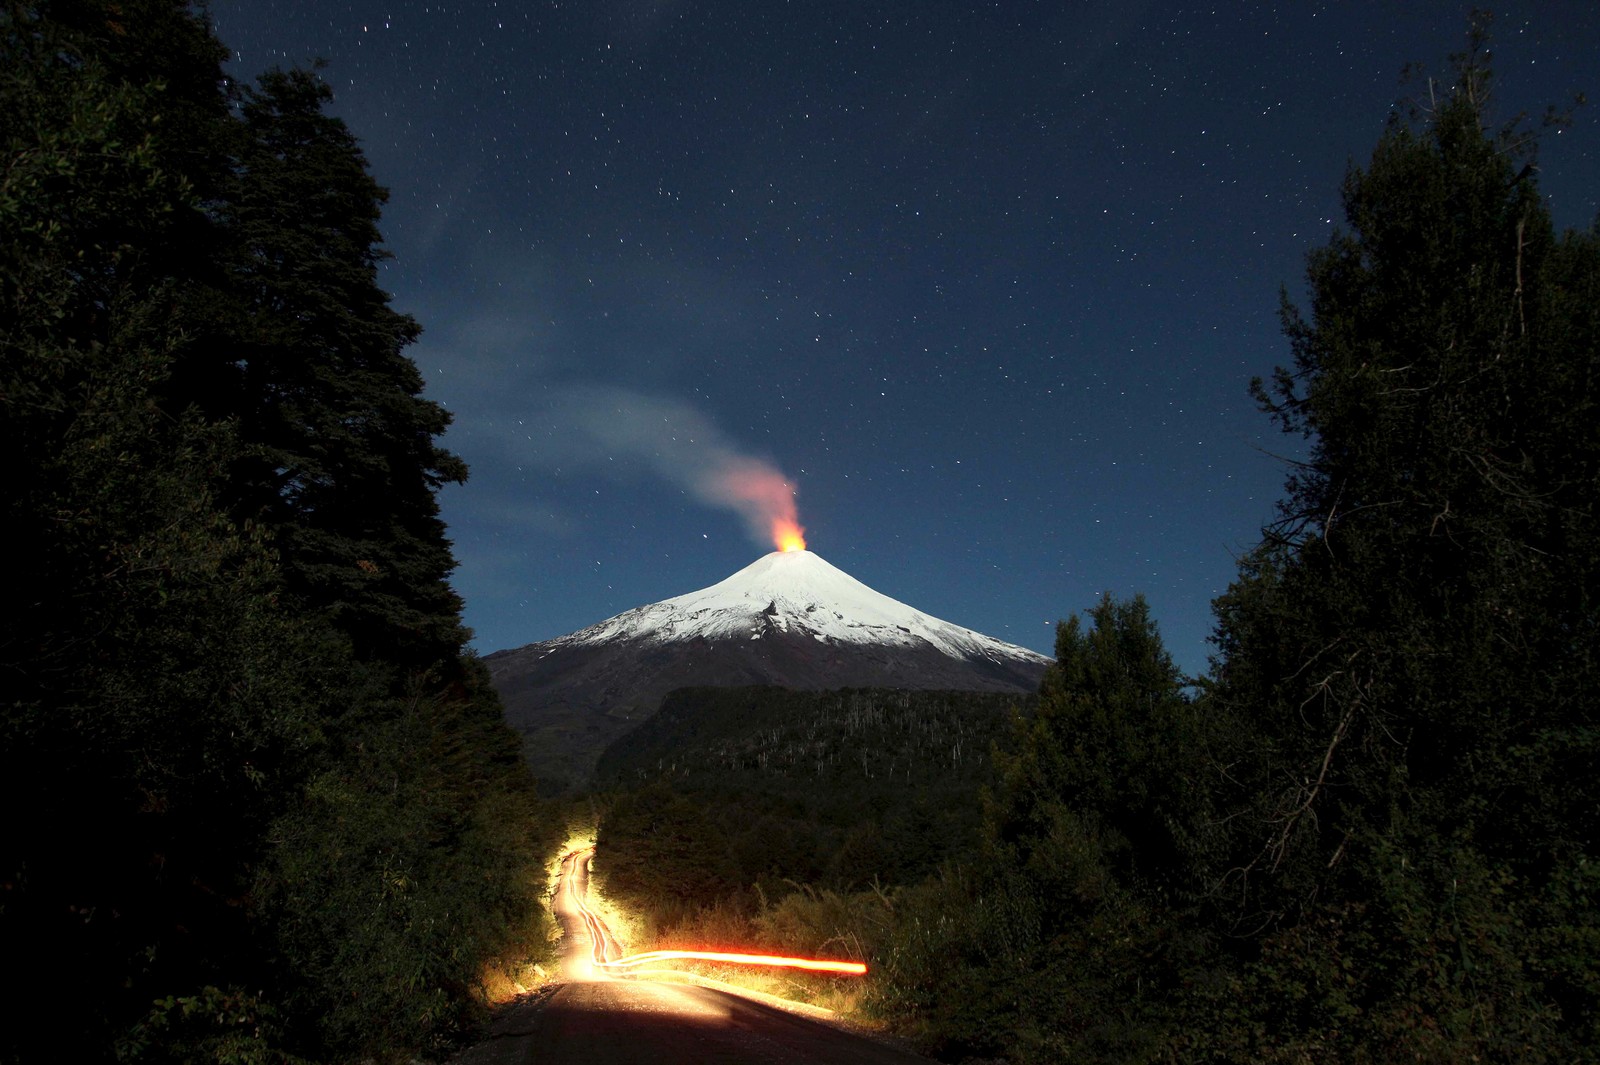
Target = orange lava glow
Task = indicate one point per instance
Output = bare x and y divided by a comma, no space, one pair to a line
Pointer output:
853,968
788,535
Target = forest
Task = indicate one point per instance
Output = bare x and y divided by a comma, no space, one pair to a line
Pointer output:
263,807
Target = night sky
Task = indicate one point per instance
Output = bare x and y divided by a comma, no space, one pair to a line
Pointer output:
985,282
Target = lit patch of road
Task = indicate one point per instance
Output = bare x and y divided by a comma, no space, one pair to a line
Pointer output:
602,1016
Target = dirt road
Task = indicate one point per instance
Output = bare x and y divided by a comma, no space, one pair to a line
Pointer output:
597,1019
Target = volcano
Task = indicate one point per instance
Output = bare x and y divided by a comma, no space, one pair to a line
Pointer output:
788,619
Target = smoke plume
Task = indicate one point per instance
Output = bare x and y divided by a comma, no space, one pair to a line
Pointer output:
591,425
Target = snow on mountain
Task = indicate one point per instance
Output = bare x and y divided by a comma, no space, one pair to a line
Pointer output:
789,620
794,591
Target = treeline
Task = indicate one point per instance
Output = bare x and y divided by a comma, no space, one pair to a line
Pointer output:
738,794
1368,834
260,805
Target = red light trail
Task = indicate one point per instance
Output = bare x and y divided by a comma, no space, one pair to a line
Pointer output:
854,968
574,883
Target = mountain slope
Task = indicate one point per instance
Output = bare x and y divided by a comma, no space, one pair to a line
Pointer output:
788,619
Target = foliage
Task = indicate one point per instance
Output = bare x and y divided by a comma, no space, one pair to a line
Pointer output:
231,1027
410,858
1067,938
212,694
1409,660
1115,735
154,700
343,464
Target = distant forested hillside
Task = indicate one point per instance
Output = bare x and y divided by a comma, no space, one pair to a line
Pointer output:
857,738
836,788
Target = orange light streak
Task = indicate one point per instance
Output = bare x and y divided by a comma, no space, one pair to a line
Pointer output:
601,941
853,968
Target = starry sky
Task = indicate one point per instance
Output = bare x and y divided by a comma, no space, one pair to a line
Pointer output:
985,282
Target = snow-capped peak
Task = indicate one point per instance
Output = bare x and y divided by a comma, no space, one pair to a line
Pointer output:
795,592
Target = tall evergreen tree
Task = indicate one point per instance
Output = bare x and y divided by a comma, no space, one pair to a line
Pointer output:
1097,822
408,888
1068,939
1410,659
345,462
1111,739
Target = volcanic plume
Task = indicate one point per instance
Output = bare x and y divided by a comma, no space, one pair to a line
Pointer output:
762,496
606,428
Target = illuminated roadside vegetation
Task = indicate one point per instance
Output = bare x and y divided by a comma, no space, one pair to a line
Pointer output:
535,960
806,922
